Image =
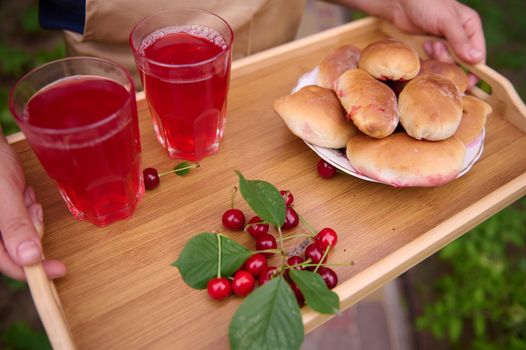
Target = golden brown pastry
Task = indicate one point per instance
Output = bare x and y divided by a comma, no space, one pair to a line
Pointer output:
448,70
474,116
370,104
430,107
390,60
402,161
315,115
335,63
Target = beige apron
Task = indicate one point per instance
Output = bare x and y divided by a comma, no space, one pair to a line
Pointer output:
257,25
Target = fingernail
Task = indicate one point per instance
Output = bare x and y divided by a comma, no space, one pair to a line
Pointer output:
39,214
54,275
28,253
32,194
29,196
475,54
427,47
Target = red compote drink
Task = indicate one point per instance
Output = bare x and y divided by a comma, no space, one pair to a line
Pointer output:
89,144
185,72
188,110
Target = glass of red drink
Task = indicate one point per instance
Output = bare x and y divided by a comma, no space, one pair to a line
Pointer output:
183,57
80,117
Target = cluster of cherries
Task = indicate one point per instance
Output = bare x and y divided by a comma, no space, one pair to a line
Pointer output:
256,268
234,219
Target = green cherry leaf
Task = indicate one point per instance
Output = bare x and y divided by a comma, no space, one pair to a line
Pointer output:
197,262
268,319
317,295
264,199
183,168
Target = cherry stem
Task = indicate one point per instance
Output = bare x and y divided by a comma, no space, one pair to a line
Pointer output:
323,257
281,246
191,166
295,236
307,225
256,223
334,264
219,256
234,190
301,264
278,251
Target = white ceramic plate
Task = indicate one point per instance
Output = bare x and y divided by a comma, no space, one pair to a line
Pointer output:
339,160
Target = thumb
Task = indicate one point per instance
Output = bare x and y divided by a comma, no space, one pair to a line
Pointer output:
21,240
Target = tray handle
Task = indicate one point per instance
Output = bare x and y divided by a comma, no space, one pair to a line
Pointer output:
504,98
48,304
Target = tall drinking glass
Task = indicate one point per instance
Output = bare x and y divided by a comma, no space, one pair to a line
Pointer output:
183,57
80,117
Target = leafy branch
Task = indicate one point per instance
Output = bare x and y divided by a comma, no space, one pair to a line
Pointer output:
270,316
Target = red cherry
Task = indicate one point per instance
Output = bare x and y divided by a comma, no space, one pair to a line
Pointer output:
297,293
233,219
243,283
291,219
266,241
151,178
219,288
325,169
314,252
267,274
329,276
326,237
254,228
287,197
295,260
291,261
256,264
240,268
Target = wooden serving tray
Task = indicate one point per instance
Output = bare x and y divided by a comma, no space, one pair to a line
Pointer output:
121,292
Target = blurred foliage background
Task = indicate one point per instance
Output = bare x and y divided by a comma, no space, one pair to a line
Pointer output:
478,303
476,298
23,46
505,30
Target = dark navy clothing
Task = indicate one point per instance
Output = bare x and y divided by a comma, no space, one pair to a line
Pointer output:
63,14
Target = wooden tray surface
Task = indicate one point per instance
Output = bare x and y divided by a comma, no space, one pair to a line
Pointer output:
121,292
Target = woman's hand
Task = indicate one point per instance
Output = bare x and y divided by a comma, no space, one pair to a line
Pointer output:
456,22
459,24
20,243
